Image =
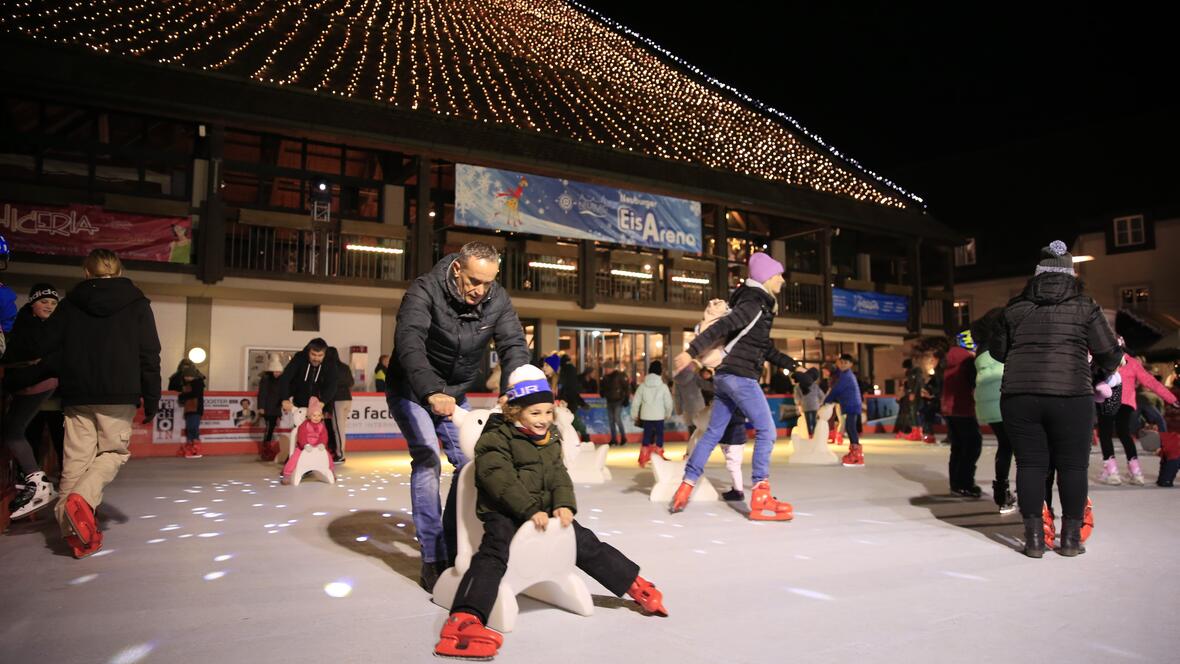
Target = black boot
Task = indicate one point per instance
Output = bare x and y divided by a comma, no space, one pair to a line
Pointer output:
429,575
1071,538
1034,537
999,491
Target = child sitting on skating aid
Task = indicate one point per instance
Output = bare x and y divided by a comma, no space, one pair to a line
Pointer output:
313,431
520,477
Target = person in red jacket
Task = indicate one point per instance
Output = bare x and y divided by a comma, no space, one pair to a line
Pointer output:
958,407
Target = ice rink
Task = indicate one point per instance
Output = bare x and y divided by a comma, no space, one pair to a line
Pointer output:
211,560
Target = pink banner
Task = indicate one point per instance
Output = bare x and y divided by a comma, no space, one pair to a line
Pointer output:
76,229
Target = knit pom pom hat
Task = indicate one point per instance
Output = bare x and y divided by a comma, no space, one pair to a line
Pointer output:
314,406
527,386
1055,258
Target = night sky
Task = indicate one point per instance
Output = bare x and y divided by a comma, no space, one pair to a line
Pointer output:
1012,117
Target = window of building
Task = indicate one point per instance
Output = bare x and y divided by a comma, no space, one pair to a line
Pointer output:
965,255
1129,231
1136,297
962,314
305,318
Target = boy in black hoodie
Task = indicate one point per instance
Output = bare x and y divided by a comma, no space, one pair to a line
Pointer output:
105,349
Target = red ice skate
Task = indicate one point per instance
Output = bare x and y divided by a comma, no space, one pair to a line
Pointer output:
855,457
646,594
644,455
81,550
915,434
1087,520
464,636
765,507
80,517
1050,532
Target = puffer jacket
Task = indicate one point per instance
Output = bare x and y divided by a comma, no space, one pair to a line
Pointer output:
1045,335
745,359
440,340
517,477
1134,375
846,392
104,346
988,375
958,383
653,400
26,342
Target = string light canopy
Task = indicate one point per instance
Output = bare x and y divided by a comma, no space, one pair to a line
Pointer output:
546,66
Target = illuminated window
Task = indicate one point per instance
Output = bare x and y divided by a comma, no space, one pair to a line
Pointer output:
1128,231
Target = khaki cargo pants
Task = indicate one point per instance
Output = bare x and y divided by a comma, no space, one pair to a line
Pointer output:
97,439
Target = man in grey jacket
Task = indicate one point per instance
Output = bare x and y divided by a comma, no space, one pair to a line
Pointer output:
444,325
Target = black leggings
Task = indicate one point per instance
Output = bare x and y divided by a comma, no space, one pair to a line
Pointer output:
1003,451
271,421
1120,421
481,584
1050,433
966,444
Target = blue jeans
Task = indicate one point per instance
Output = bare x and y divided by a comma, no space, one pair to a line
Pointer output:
810,417
424,431
614,416
735,394
192,427
653,432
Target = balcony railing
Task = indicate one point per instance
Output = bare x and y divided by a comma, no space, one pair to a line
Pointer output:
314,253
932,313
802,296
688,287
626,282
540,275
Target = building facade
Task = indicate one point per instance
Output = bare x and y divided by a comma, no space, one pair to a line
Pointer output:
274,176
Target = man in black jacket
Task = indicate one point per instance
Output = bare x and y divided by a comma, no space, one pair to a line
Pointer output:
444,325
106,353
308,374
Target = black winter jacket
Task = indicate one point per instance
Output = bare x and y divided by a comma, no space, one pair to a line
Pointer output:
344,382
26,342
269,399
1045,335
747,357
440,339
301,381
105,349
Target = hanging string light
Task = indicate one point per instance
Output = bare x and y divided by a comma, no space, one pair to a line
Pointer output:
556,68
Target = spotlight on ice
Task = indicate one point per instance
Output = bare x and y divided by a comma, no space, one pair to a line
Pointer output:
338,589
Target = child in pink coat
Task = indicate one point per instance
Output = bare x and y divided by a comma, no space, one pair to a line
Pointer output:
1133,374
311,432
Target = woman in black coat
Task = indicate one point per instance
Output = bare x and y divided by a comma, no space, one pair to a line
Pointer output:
1046,336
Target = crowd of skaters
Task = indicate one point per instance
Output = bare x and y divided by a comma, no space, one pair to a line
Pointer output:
1050,360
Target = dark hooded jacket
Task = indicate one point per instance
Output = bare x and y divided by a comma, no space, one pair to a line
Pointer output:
105,349
1045,335
745,359
517,477
440,339
26,342
301,381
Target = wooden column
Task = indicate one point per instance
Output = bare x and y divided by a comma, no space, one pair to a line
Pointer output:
211,233
587,274
721,253
825,269
948,305
423,223
917,301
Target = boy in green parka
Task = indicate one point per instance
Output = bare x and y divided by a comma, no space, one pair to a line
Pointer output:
520,477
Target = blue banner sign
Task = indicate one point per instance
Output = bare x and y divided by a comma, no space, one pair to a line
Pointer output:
513,201
870,306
